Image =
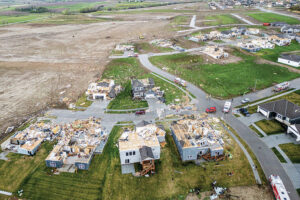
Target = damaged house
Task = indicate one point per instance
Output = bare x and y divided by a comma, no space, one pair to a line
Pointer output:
196,138
215,52
279,40
77,144
28,141
141,145
144,88
106,89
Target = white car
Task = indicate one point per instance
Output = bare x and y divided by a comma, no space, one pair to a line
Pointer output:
247,100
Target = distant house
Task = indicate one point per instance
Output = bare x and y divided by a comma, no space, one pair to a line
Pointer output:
285,112
279,40
106,89
278,24
144,89
253,31
290,29
249,46
215,52
290,59
228,34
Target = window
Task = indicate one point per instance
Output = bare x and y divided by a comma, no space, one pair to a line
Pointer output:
126,160
126,153
133,153
130,153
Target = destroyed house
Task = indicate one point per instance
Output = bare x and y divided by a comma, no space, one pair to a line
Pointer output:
106,89
77,144
140,145
215,52
140,87
196,138
28,141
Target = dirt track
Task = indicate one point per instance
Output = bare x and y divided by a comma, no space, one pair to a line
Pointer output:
37,62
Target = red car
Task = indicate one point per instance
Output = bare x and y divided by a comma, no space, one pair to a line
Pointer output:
211,110
140,112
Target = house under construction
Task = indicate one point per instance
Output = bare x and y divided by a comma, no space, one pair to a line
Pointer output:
198,137
141,145
78,142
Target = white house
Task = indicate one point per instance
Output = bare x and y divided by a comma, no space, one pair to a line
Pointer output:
141,145
290,59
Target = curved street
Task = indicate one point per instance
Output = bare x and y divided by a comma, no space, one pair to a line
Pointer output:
268,160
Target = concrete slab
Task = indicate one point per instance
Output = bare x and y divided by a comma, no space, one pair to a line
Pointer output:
3,155
128,169
275,140
293,173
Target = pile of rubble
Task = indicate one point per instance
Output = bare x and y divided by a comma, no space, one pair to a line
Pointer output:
105,89
77,143
215,52
28,141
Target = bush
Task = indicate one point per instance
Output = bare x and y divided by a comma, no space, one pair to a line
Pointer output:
89,10
33,9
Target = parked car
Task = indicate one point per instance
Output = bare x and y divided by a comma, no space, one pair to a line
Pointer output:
140,112
211,110
227,107
246,100
244,111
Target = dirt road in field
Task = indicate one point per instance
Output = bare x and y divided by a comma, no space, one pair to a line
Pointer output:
41,64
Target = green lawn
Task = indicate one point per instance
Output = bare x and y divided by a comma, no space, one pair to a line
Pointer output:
221,20
71,19
181,20
292,151
83,102
293,97
256,131
76,7
226,80
104,179
271,17
278,154
123,70
273,54
124,100
14,171
149,48
270,127
21,18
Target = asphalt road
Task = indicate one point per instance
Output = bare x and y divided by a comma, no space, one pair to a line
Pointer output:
268,160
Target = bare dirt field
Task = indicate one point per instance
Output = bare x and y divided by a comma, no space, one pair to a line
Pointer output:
38,62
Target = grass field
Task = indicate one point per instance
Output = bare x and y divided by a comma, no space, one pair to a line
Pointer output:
21,18
221,20
173,179
270,127
256,131
14,171
292,151
180,20
123,70
293,97
278,154
271,17
273,54
76,7
83,102
224,80
149,48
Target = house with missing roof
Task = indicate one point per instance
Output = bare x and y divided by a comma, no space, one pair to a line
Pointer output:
198,137
141,145
106,89
290,59
285,112
144,89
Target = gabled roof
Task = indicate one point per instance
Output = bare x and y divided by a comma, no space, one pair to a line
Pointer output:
291,57
136,83
146,153
283,107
